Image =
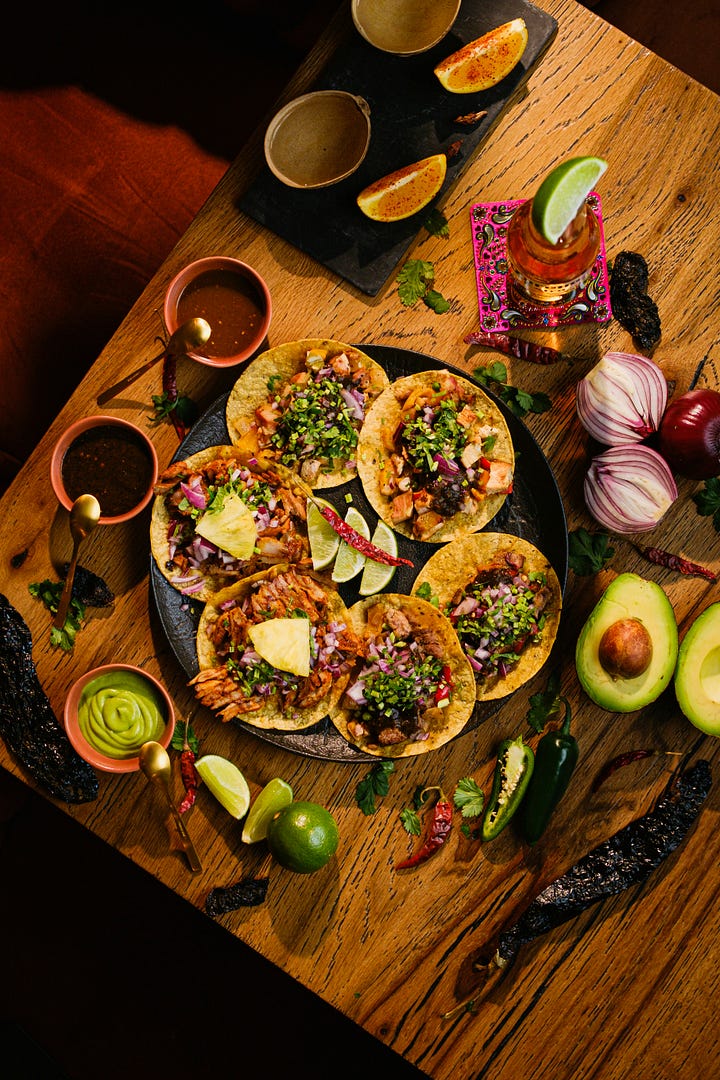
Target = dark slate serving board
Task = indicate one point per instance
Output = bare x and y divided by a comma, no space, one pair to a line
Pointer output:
412,116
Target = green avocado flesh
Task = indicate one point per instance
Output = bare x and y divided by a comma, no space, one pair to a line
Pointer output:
628,597
697,678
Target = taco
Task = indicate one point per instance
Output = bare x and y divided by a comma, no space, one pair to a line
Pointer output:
412,688
303,404
504,600
435,458
274,650
216,520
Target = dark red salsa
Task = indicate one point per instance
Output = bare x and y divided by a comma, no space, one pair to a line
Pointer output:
232,306
110,463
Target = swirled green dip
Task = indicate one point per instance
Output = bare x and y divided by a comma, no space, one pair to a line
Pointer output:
119,712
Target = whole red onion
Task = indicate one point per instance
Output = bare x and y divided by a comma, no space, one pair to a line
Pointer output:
689,435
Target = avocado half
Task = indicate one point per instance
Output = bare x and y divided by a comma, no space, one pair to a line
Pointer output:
697,676
628,597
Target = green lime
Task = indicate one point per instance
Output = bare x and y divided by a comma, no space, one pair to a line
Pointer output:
274,796
377,575
562,193
349,561
303,837
324,541
226,783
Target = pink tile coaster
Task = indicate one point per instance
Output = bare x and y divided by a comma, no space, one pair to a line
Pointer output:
500,309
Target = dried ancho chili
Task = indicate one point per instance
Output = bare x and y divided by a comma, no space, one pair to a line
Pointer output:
555,759
631,305
249,892
513,770
89,588
440,825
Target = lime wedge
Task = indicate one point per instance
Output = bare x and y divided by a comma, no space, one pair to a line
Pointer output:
324,541
225,781
349,561
562,193
377,575
274,796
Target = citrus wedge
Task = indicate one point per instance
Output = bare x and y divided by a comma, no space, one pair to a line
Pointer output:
377,575
486,61
349,561
225,781
562,193
276,794
324,541
402,193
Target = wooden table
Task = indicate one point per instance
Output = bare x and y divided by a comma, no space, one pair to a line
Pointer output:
626,989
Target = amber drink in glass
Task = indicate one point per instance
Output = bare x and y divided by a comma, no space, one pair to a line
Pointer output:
546,273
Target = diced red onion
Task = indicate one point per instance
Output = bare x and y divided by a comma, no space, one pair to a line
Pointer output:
622,400
445,466
629,488
193,495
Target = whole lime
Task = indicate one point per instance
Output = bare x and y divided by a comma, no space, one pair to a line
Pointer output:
303,837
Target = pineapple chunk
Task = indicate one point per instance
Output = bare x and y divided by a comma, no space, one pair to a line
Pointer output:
284,643
233,528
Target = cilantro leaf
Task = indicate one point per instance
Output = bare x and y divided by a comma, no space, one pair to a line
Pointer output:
469,797
544,703
520,402
178,739
376,783
708,501
588,552
411,821
183,406
414,280
424,591
437,224
50,592
436,302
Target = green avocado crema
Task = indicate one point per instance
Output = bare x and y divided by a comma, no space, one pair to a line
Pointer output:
119,712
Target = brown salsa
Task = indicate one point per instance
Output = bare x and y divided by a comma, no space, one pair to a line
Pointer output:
232,306
110,463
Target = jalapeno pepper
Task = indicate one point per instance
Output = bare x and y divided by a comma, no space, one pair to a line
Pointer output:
513,770
555,760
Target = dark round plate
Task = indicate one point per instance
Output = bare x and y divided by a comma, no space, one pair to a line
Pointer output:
534,512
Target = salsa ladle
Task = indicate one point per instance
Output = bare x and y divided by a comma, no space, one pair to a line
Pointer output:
84,516
188,336
156,765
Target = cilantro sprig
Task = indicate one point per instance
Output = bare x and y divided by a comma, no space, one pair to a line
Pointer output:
588,552
708,501
520,402
469,797
415,282
184,408
545,703
50,592
437,224
374,785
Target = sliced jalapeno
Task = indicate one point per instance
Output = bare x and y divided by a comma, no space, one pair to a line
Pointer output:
512,774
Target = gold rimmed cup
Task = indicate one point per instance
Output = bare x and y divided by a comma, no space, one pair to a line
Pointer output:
318,138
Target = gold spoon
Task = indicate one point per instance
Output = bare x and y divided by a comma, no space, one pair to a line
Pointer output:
155,763
84,516
188,336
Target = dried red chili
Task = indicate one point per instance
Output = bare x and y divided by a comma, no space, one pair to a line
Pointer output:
440,825
622,760
676,562
515,346
354,539
189,774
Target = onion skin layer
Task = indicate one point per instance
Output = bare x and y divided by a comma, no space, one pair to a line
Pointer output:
689,435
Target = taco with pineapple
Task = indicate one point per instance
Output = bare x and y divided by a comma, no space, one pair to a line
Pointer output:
504,601
412,688
303,405
435,457
274,650
216,519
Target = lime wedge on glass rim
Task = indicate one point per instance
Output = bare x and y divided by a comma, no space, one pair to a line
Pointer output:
225,781
562,193
276,794
324,541
349,561
377,575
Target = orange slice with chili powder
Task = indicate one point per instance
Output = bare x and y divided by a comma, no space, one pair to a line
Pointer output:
486,61
402,193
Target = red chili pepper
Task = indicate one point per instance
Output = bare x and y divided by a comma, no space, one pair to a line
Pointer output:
354,539
440,826
622,760
676,562
485,463
189,774
515,346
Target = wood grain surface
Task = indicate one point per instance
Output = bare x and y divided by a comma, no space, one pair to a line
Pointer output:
627,989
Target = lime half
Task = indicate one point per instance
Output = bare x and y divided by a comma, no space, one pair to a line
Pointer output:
562,193
324,541
377,575
349,561
276,795
226,783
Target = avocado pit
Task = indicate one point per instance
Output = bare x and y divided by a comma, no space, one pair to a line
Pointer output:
625,649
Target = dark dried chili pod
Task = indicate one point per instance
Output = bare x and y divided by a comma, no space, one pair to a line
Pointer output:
248,892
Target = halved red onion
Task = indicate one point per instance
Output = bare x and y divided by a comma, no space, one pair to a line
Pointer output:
629,488
622,399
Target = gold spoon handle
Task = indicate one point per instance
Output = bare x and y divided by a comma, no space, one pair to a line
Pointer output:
61,613
111,391
188,846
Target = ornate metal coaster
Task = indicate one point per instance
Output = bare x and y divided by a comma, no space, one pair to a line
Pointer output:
500,309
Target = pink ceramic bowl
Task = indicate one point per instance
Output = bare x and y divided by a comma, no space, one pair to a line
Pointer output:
106,709
234,300
109,458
